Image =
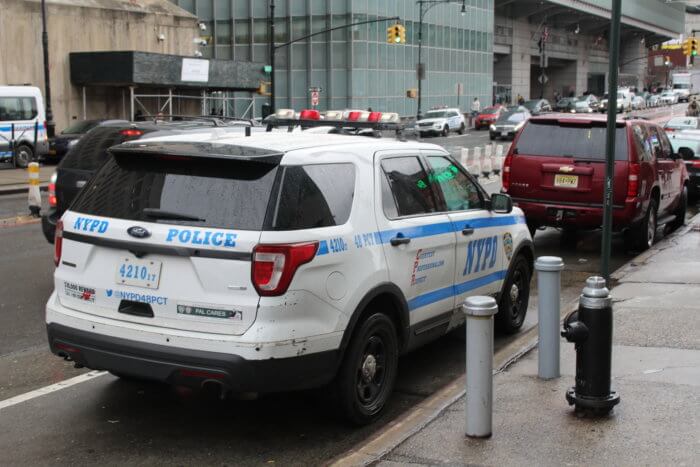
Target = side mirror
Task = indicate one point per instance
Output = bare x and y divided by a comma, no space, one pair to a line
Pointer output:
686,153
501,203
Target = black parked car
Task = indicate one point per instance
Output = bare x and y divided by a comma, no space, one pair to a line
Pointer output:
90,153
61,143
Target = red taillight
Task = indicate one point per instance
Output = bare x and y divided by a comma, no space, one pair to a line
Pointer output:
58,243
131,132
374,117
310,114
633,180
669,130
274,265
52,195
505,174
354,116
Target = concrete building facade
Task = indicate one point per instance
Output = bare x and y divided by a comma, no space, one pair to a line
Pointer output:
86,25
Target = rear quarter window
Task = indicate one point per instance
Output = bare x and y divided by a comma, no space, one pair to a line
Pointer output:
313,196
575,141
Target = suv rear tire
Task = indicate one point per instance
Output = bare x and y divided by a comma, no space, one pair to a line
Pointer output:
644,234
679,221
367,375
512,305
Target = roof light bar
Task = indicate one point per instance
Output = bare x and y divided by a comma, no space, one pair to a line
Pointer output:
334,115
285,113
310,114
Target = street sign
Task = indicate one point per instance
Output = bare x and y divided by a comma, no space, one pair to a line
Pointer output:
314,98
543,79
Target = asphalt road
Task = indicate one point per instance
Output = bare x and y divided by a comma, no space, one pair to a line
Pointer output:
109,421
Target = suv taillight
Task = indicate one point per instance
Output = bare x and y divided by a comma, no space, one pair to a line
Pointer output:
274,265
633,180
52,191
505,177
58,243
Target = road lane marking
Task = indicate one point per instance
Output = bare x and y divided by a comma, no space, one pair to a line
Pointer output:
50,389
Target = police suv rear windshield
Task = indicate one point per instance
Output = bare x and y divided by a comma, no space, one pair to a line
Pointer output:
219,193
586,142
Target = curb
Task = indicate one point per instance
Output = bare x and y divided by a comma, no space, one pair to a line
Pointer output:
406,425
19,220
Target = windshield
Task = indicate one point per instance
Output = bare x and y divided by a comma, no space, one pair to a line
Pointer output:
576,141
691,143
78,128
436,114
531,105
512,117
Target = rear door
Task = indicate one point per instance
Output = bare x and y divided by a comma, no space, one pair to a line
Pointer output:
166,241
563,162
417,238
479,258
676,166
665,166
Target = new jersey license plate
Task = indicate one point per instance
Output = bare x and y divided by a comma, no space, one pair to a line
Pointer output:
566,181
504,133
139,272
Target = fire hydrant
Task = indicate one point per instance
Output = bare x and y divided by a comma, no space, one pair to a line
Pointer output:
590,329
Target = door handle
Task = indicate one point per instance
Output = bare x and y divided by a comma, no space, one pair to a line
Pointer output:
467,231
400,240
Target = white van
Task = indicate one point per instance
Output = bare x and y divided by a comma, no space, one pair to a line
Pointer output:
22,106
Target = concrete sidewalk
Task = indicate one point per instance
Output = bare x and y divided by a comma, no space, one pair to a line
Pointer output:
15,180
656,371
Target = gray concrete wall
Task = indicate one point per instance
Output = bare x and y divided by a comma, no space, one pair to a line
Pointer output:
83,25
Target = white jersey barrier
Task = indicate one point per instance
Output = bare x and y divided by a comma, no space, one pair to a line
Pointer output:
484,161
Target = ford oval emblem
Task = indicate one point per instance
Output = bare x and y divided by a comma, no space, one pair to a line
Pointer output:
138,232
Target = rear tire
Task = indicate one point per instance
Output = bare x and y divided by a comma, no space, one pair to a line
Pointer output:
644,234
679,221
512,305
367,375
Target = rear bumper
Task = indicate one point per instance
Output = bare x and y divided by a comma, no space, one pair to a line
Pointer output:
191,367
581,216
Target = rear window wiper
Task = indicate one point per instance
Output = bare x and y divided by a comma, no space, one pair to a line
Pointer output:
162,214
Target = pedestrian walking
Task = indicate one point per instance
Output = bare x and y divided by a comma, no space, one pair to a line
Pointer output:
476,106
521,100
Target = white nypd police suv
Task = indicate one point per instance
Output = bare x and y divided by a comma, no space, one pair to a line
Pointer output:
279,261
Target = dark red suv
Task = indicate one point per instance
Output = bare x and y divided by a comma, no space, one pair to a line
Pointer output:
555,172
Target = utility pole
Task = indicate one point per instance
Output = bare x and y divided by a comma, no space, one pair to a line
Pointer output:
272,56
610,139
50,124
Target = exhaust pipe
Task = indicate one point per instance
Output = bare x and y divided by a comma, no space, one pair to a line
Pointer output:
213,386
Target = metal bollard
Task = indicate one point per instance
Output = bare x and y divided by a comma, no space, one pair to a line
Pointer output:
479,313
549,296
34,196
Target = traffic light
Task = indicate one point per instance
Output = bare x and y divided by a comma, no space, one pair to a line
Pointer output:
396,34
686,47
267,69
263,88
693,47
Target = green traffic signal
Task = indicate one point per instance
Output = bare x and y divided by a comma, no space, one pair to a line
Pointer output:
267,68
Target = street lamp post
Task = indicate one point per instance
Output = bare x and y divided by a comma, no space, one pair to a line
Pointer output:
420,71
50,124
272,56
